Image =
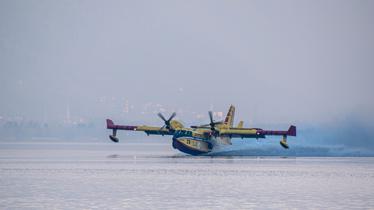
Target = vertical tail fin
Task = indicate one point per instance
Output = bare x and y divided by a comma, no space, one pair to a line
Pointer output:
229,120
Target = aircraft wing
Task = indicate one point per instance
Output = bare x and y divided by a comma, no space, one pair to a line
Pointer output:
258,133
241,133
149,130
255,132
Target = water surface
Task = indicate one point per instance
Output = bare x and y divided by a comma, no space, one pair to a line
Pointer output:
153,176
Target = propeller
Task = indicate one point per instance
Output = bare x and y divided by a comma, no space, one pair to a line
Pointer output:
167,122
213,124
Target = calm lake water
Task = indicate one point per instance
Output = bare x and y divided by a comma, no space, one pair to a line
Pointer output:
153,176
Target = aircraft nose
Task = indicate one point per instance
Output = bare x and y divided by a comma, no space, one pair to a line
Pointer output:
174,142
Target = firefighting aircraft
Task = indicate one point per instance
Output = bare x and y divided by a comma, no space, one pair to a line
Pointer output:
203,139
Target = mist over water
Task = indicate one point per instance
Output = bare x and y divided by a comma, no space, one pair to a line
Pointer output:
347,139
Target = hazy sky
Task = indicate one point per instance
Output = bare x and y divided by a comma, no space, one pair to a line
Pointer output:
279,61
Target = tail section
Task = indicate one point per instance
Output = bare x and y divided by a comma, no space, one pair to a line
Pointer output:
229,120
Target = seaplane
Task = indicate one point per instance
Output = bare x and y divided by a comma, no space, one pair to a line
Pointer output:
202,139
